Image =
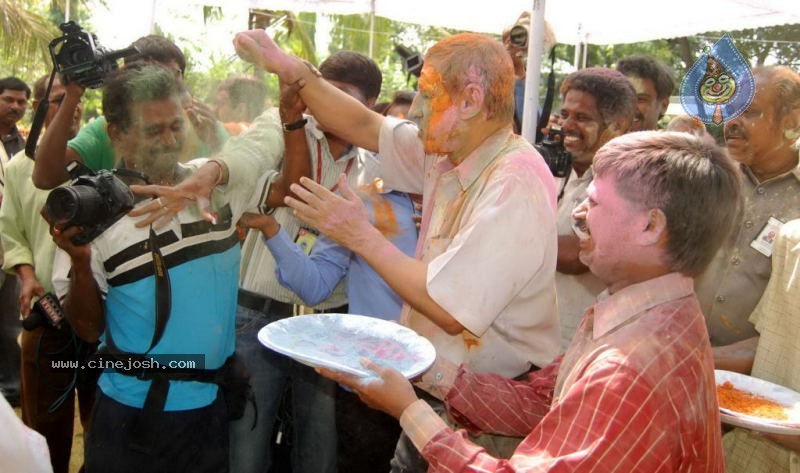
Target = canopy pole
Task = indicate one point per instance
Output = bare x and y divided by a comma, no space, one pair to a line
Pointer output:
371,27
533,69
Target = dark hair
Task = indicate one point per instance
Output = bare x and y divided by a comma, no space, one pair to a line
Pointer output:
355,69
154,48
471,58
613,92
14,83
786,84
247,90
647,67
695,184
403,97
136,84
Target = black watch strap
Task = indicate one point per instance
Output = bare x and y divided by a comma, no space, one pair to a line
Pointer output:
295,125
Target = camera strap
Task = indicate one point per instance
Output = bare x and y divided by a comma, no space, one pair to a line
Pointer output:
544,118
38,119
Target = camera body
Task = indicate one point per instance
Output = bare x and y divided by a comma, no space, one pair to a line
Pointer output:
79,58
46,310
94,201
552,150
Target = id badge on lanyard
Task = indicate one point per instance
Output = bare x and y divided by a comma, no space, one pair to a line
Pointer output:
306,239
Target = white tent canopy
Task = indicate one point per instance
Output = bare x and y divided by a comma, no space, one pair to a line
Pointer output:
573,21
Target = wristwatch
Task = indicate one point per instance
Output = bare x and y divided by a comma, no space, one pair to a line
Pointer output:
295,125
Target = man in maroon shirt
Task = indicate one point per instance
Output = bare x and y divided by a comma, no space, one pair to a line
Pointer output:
635,391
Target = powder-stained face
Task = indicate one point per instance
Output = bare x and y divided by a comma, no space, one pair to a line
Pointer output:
153,142
756,134
611,227
434,110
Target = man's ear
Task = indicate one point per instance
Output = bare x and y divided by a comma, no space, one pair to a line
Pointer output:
656,229
240,110
471,101
115,135
370,102
618,127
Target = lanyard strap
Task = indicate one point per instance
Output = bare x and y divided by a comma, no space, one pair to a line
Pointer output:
319,167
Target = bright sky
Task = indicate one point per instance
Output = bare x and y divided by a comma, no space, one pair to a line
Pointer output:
122,21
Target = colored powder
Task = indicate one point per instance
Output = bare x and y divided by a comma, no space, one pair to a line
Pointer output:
745,402
385,218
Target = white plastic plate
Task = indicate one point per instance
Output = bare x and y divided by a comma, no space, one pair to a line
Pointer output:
340,341
771,391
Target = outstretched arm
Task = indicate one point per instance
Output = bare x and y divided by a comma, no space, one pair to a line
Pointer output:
343,115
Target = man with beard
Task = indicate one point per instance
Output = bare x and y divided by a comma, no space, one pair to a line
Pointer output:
148,293
764,141
14,95
653,83
598,105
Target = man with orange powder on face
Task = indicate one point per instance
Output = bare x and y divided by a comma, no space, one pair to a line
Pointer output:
481,285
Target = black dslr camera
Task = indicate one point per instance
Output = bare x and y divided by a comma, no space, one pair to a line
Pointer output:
552,150
94,201
79,58
46,310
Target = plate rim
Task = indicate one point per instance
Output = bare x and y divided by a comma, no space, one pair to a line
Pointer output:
429,351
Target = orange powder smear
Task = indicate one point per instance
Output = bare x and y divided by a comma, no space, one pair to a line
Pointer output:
748,403
385,218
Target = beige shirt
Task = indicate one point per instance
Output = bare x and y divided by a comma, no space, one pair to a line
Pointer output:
488,236
257,273
576,292
777,320
731,286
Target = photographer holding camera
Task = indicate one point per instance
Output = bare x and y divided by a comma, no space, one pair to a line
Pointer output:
598,104
92,145
47,394
168,294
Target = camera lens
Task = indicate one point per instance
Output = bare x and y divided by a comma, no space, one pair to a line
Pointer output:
75,205
518,36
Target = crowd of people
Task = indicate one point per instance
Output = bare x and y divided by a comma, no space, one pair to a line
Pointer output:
577,320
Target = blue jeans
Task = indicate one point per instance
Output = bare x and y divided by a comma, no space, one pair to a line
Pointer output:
314,426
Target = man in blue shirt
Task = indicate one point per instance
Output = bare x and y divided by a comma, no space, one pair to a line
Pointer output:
110,293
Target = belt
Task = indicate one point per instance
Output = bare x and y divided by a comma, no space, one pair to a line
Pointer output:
265,305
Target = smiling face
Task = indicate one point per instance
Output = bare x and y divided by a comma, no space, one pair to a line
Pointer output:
153,142
611,226
717,88
584,129
435,112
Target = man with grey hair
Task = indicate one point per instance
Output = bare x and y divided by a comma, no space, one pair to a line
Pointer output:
635,391
763,140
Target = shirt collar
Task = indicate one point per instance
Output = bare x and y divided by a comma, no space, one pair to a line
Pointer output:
468,170
747,172
613,310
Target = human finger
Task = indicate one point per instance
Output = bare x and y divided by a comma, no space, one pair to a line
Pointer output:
304,192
